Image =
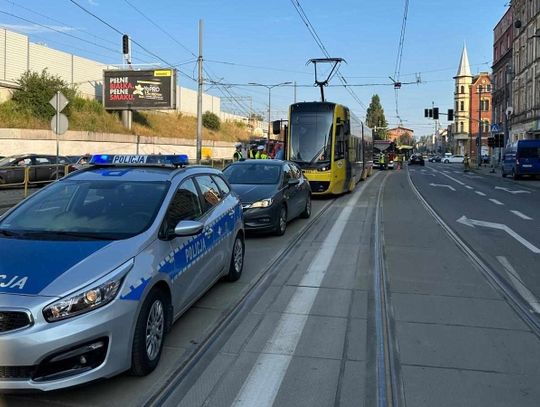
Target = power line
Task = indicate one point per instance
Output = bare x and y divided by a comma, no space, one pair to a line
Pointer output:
57,21
399,58
256,67
58,31
223,90
303,16
132,40
159,28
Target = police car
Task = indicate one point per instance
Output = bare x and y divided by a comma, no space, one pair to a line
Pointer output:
96,267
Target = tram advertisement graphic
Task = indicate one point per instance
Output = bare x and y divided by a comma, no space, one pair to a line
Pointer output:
148,89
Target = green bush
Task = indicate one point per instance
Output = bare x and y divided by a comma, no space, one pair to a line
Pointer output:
37,89
211,121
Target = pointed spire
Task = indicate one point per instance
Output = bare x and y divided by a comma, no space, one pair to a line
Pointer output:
464,67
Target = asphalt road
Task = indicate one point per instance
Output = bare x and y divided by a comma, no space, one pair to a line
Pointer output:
372,298
498,218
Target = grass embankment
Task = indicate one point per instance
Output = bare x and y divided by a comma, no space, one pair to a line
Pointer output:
89,115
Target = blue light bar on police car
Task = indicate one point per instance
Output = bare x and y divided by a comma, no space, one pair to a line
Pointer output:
121,159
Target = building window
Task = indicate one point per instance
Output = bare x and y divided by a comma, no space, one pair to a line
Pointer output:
461,128
484,105
457,106
480,88
462,106
485,125
463,89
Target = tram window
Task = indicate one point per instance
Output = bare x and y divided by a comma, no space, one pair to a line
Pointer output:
339,150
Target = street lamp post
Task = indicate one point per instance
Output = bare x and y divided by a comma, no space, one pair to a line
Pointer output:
269,87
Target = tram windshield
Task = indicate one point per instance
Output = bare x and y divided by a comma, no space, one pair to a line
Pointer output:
311,135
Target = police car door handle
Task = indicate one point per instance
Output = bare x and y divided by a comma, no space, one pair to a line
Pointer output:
208,232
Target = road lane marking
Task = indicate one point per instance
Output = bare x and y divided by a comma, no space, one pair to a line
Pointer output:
516,191
479,193
521,215
500,226
495,201
453,179
264,380
443,185
519,285
468,187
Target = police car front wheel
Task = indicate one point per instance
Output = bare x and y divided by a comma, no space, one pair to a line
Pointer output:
237,259
149,334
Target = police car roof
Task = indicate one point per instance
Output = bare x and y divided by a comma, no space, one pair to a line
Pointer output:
137,173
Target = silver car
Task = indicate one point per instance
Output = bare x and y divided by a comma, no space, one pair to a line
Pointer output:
96,267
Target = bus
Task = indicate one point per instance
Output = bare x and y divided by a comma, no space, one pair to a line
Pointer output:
333,147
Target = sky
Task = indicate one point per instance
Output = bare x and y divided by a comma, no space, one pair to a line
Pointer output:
266,42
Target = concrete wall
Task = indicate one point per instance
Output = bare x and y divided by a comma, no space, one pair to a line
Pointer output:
18,141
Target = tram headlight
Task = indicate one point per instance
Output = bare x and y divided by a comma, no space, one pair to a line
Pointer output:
325,168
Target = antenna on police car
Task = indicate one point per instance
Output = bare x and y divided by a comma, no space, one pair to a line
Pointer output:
322,84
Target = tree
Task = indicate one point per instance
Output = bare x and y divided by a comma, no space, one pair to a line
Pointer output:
375,118
211,121
35,91
256,116
405,139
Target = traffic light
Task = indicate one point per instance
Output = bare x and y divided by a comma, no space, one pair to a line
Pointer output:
426,112
435,113
498,140
430,112
491,141
125,44
450,115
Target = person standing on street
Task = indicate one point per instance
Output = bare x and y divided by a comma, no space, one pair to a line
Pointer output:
238,155
261,153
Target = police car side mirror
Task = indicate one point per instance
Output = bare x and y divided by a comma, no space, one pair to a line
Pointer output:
188,228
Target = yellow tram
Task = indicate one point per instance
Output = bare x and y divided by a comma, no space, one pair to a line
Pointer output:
333,148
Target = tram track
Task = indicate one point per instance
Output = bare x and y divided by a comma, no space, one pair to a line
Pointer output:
494,279
388,377
230,319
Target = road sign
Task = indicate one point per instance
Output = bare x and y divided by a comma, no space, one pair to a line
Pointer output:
495,128
62,123
61,100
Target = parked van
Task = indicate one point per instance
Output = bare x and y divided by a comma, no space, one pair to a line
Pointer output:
522,157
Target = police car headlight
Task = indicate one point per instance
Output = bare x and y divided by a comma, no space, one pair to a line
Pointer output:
83,302
264,203
87,299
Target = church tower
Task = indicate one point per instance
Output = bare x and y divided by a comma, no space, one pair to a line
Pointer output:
462,101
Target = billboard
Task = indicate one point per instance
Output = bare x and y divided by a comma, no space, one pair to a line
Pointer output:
139,90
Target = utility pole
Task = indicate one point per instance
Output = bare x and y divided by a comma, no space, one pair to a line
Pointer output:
200,94
294,91
127,115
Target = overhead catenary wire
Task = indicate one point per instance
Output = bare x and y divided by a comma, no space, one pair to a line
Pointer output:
132,39
58,21
305,19
224,91
399,57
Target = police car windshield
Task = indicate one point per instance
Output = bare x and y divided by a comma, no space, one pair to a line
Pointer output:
81,210
256,173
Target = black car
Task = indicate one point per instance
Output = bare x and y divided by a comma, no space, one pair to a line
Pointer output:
435,159
416,159
272,193
42,168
